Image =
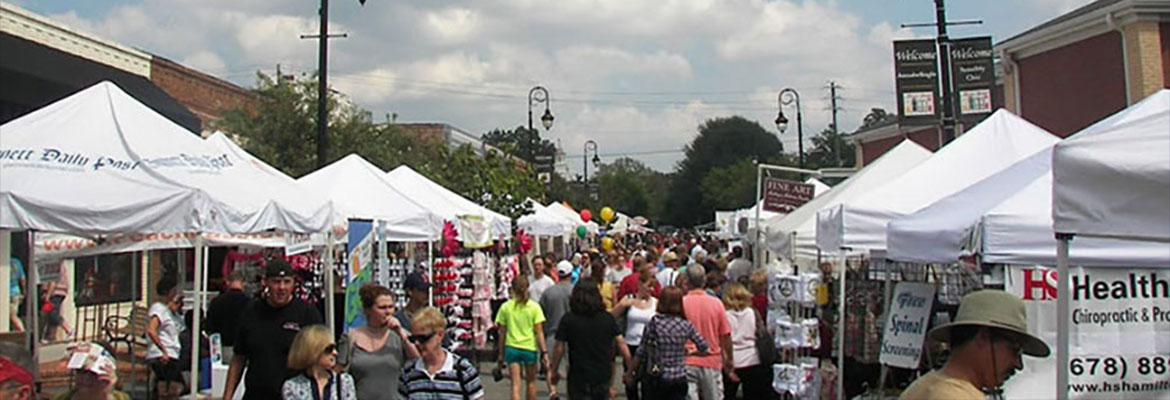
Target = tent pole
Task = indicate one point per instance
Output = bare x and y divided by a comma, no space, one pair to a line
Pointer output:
759,258
327,258
33,288
840,332
1063,298
200,280
430,272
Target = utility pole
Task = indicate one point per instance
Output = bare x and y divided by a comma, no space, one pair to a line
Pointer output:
322,83
836,133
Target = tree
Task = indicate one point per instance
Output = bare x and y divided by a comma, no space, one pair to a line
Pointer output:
632,188
831,150
521,142
721,142
875,117
731,187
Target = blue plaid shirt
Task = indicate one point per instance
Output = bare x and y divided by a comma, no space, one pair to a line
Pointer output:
663,343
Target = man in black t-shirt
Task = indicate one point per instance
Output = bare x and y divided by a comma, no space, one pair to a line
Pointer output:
223,314
265,334
593,336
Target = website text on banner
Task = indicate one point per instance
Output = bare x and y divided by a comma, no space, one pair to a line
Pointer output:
1120,340
906,324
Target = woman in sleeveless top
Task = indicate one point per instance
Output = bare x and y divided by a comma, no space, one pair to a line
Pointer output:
637,310
376,352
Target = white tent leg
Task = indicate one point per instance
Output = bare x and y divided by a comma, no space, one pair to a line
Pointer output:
841,335
430,272
200,282
327,259
1063,298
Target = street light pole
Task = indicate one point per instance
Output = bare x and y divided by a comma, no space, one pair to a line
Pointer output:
786,97
538,94
589,144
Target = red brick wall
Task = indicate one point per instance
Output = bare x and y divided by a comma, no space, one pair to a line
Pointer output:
926,137
427,132
1069,88
206,96
1164,32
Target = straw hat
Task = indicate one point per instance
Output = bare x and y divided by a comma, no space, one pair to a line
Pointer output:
994,309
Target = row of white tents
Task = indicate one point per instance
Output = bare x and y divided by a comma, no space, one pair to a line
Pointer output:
1003,191
99,164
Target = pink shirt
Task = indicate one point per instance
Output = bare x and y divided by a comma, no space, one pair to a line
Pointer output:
710,318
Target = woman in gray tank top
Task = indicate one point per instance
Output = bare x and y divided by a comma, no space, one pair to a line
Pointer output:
375,353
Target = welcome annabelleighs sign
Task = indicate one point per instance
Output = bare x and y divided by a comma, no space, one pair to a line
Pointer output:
906,324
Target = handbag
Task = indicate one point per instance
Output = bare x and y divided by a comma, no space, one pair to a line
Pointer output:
765,344
653,367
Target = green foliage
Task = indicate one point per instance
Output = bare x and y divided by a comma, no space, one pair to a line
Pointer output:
731,187
632,188
281,130
520,142
875,117
721,142
830,150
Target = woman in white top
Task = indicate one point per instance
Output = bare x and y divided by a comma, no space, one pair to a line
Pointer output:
163,349
755,377
638,310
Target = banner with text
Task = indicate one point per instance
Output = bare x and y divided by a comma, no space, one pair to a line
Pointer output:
906,324
916,80
974,77
1119,343
781,195
57,246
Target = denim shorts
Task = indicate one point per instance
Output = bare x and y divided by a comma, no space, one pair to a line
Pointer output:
513,355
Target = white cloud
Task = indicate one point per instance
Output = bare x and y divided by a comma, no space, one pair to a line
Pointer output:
452,25
207,62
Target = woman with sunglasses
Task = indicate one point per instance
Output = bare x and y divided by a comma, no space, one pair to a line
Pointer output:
313,356
436,373
375,352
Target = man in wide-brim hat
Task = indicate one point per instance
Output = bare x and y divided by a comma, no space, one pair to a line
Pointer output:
986,340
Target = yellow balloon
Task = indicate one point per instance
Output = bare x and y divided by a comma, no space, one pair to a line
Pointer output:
607,243
607,214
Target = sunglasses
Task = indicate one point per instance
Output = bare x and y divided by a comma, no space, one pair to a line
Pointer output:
1012,342
419,339
332,347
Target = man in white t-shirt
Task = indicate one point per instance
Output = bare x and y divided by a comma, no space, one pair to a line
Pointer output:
669,272
540,281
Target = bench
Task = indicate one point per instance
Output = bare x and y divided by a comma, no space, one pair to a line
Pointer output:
130,330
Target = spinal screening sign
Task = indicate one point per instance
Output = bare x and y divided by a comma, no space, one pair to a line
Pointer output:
1119,343
906,323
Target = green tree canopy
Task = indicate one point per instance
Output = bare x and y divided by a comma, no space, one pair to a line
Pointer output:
521,142
721,142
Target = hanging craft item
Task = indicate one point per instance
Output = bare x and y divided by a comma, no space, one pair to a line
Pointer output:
450,239
586,215
607,214
475,231
581,231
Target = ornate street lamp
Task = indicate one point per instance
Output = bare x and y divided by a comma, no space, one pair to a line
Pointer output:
786,97
539,94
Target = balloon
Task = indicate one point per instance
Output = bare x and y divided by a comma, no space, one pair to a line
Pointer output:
607,243
586,215
581,231
607,214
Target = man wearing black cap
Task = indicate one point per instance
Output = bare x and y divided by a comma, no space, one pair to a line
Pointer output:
265,334
419,291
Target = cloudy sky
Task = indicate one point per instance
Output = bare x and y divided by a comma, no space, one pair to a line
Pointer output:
636,76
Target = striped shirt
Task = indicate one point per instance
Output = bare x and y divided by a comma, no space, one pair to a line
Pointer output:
457,379
663,344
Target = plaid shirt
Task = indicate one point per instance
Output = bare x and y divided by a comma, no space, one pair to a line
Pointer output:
663,344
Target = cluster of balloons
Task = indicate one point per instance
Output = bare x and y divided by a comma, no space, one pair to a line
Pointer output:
607,215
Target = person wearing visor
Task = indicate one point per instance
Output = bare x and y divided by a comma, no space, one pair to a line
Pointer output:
265,335
95,374
986,340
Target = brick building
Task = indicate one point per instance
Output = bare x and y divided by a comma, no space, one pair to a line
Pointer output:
45,61
1082,66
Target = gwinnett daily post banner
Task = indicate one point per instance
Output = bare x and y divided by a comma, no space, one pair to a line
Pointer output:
1119,344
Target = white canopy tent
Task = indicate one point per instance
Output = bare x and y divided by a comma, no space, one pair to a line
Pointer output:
442,201
793,236
545,222
998,142
363,192
1112,180
564,210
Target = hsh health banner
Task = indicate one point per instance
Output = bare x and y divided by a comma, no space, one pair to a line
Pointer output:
1119,343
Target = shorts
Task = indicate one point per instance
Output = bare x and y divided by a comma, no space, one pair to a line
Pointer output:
513,355
166,372
55,318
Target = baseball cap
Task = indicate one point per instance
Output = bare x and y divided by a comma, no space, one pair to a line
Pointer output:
278,269
11,371
564,268
416,281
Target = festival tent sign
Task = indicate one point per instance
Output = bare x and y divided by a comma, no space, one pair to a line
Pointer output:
70,167
450,205
361,191
794,235
998,142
